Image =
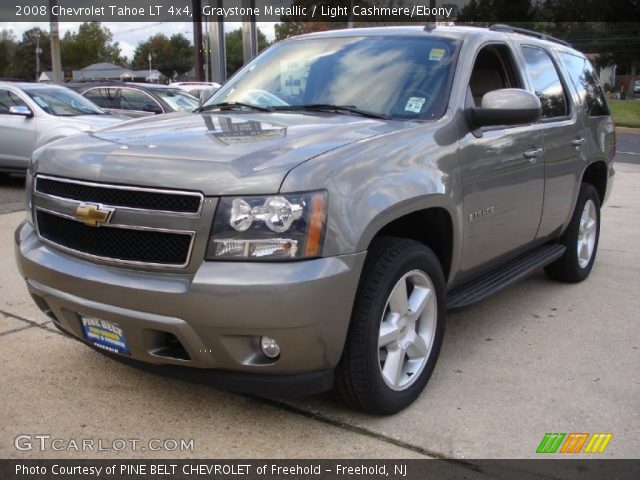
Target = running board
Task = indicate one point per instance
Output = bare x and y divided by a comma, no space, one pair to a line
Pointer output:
497,279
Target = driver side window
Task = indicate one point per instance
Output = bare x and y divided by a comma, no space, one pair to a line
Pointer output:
9,99
493,70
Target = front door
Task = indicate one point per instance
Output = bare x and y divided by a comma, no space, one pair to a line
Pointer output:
502,171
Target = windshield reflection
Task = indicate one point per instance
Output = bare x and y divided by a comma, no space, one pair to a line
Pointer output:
402,77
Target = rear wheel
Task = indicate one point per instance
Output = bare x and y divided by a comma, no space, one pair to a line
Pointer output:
396,328
581,239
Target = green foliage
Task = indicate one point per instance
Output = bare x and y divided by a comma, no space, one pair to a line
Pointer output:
92,43
7,50
168,55
235,57
23,61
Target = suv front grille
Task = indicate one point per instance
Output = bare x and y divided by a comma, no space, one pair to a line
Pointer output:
120,196
120,244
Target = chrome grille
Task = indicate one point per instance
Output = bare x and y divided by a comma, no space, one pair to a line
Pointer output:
120,195
132,234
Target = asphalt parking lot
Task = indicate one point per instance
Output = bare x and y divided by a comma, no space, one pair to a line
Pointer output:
537,357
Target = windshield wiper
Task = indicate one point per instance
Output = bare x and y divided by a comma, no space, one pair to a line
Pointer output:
326,107
231,106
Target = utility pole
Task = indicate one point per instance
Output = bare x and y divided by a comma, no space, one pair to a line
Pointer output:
149,57
56,62
217,53
38,52
198,46
249,33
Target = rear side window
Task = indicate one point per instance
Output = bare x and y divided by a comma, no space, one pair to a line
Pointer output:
546,82
9,99
103,97
584,79
137,100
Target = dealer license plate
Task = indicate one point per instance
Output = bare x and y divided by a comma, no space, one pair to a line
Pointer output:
104,334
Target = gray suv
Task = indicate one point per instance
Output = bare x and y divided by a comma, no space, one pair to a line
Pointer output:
309,227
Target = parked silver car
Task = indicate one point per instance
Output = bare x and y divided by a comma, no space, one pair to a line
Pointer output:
32,115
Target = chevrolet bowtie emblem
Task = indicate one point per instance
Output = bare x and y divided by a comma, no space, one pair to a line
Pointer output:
92,214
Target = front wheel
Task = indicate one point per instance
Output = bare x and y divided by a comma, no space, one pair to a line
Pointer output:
396,328
580,238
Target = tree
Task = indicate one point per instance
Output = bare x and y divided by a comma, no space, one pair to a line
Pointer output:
615,37
7,50
168,55
235,55
23,61
92,43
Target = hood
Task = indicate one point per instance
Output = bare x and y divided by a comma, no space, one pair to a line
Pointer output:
215,153
93,122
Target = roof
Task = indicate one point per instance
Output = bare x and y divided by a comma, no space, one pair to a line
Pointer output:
30,85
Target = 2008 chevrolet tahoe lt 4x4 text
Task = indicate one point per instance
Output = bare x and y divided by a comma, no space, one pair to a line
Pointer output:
309,227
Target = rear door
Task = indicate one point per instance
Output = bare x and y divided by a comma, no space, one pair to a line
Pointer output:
563,134
17,133
107,98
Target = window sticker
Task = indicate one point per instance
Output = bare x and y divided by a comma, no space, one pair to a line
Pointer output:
436,54
41,102
414,104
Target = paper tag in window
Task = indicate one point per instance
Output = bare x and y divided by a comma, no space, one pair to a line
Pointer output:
414,104
40,102
436,54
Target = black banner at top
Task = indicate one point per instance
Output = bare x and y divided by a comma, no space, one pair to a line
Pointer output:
357,11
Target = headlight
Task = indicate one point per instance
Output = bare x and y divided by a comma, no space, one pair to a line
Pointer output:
269,228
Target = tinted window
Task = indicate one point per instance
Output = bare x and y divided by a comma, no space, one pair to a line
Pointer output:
9,99
546,83
137,100
584,79
103,97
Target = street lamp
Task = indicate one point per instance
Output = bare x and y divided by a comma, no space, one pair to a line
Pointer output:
149,66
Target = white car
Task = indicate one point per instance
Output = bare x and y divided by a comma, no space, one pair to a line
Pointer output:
32,115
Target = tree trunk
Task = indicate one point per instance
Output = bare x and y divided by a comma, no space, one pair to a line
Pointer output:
632,78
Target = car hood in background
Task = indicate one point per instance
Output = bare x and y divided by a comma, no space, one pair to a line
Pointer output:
94,122
215,153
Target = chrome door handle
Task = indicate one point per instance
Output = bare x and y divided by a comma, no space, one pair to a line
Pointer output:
533,153
577,142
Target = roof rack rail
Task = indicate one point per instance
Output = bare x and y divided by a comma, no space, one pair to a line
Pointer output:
499,27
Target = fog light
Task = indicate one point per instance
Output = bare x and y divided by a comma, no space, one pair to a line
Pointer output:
269,347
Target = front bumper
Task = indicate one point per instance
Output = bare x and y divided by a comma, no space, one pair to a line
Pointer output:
217,314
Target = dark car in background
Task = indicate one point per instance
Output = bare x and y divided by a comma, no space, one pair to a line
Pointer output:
136,99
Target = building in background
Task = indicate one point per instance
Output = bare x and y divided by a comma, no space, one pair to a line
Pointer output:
109,71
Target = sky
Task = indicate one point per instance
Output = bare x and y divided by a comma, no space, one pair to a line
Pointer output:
129,34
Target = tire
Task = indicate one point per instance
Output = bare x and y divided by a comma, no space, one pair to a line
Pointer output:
580,239
360,381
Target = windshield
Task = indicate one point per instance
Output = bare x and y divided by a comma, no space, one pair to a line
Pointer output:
63,102
177,99
396,77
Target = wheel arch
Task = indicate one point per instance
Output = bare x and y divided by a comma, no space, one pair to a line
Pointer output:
596,174
432,226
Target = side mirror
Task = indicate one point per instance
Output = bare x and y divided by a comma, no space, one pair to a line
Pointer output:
507,106
20,110
152,109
